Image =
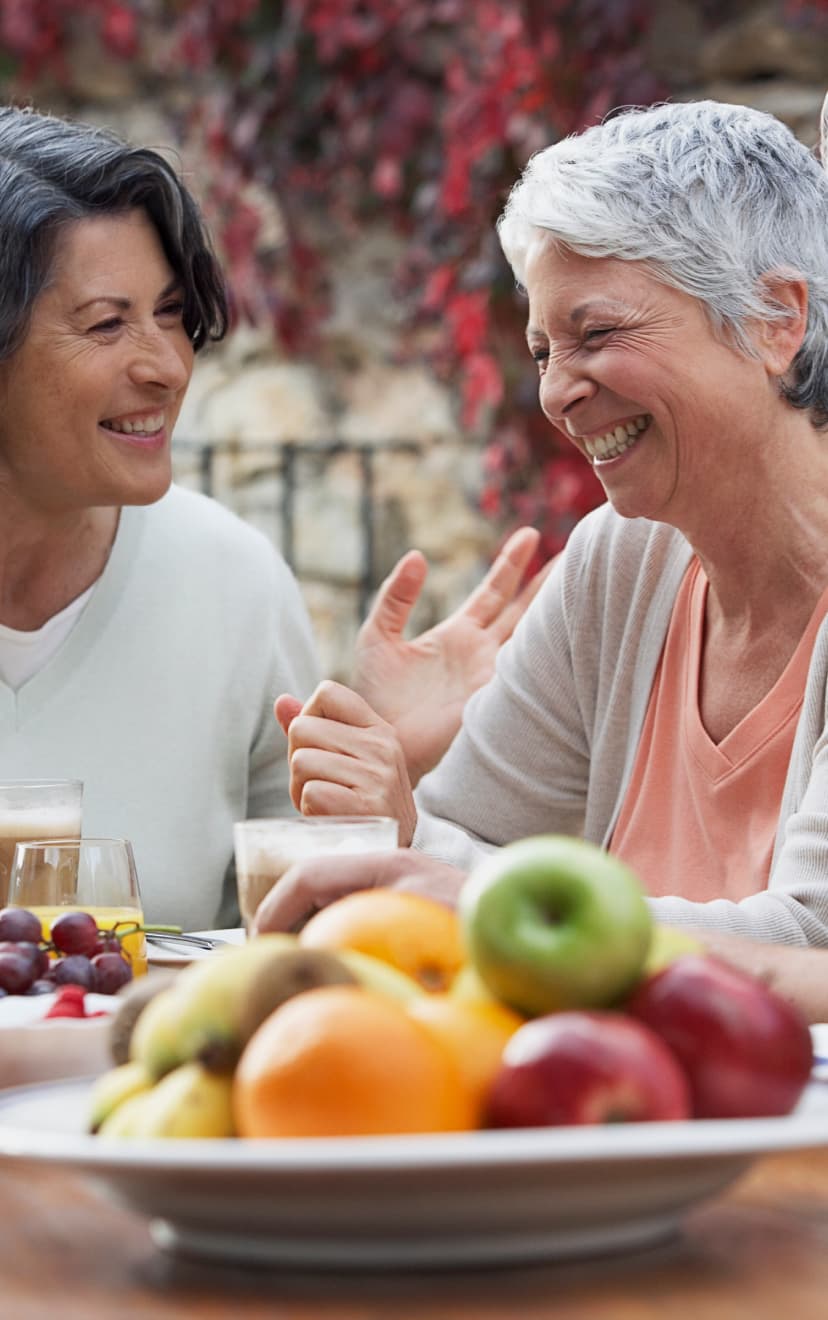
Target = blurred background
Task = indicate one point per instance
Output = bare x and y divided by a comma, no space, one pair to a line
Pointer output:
352,157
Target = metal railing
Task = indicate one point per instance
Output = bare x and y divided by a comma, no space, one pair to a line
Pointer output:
283,459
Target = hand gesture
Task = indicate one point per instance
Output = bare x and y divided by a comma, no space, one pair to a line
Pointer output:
344,759
421,686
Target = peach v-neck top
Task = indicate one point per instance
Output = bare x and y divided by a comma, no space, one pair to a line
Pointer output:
700,818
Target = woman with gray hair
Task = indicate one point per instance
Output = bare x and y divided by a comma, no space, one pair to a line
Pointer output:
666,696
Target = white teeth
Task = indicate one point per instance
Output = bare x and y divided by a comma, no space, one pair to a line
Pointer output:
618,440
146,426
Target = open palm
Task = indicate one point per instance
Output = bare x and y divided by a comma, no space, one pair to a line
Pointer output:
421,686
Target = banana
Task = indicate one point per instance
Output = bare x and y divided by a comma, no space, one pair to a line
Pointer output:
113,1089
378,976
206,1014
189,1102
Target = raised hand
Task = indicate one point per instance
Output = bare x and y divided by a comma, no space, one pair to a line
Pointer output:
421,686
344,759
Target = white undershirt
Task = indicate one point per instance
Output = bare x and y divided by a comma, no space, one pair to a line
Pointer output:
24,654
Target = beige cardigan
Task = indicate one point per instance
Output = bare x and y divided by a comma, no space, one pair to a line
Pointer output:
549,745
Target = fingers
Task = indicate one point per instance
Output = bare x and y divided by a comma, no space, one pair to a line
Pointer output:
346,761
335,701
309,886
505,624
396,598
306,887
503,579
286,708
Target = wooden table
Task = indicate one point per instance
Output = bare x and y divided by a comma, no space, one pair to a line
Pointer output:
758,1253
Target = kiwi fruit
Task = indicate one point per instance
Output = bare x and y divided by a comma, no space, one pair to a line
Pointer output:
134,999
290,974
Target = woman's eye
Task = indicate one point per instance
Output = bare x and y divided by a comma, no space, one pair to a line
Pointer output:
175,308
540,355
598,333
107,326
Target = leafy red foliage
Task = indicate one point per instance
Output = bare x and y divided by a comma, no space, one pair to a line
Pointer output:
413,114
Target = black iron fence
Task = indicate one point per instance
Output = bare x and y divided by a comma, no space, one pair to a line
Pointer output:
201,460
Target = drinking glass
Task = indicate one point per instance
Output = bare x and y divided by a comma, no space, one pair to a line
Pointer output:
32,809
98,876
265,849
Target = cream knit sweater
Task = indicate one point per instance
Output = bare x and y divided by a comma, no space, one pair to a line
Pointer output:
549,744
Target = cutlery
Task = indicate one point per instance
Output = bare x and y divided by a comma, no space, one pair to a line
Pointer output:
194,941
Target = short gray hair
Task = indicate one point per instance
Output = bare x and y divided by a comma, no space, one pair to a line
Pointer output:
54,172
710,198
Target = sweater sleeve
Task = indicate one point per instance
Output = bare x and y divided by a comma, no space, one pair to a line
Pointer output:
520,763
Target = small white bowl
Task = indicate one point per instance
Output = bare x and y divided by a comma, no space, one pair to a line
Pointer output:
34,1048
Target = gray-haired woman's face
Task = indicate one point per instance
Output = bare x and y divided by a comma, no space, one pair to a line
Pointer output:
633,376
89,401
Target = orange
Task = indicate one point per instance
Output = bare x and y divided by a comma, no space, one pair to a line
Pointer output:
340,1061
474,1032
418,935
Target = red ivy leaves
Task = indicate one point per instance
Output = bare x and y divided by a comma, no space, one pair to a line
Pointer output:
415,113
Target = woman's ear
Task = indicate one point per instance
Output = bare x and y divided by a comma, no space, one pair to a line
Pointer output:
779,340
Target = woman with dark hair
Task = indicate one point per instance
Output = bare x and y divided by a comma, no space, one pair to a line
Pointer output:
144,630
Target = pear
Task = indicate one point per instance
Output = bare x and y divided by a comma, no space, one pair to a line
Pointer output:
190,1102
112,1089
667,944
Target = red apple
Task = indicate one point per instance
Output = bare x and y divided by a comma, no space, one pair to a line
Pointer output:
746,1052
583,1067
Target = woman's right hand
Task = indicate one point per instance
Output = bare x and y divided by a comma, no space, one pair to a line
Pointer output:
344,759
311,885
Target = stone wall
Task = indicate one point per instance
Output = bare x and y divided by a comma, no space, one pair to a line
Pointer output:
349,461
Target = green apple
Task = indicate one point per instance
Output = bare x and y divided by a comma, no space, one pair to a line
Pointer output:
551,922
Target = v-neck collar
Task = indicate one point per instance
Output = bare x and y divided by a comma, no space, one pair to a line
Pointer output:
44,686
779,705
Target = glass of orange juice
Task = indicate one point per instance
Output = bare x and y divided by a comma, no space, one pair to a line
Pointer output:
98,876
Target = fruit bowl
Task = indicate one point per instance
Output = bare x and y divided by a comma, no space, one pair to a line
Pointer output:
481,1199
34,1048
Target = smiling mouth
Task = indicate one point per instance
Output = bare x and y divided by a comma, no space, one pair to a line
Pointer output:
148,425
617,441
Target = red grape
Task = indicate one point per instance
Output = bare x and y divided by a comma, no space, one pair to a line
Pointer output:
19,924
76,969
111,972
74,932
16,972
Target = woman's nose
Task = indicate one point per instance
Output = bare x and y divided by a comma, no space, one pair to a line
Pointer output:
561,390
163,358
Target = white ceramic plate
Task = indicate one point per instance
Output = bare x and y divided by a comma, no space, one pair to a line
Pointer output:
477,1198
179,955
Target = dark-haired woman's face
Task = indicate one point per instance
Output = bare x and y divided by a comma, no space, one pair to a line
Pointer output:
89,400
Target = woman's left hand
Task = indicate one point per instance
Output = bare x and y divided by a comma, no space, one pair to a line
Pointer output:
422,685
344,759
